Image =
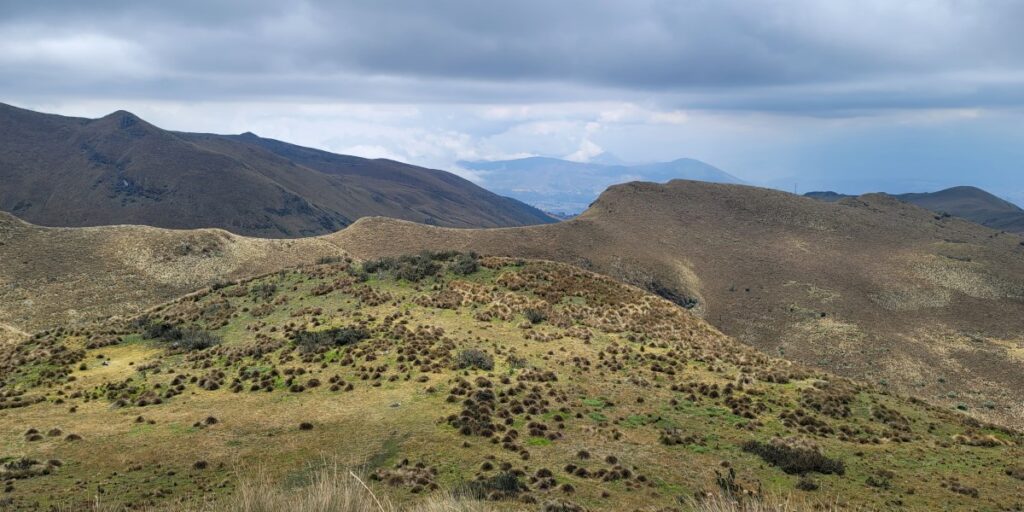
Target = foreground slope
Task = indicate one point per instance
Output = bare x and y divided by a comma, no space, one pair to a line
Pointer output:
971,203
513,381
869,287
119,169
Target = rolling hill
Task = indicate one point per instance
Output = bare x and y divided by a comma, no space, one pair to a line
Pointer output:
517,384
971,203
569,187
63,276
870,287
119,169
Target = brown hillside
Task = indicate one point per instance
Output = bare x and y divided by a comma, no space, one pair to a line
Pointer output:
52,276
971,203
119,169
871,287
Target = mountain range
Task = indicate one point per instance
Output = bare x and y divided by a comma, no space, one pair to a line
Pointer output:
569,187
971,203
119,169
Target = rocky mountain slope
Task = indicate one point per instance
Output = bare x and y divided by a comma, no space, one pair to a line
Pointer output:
119,169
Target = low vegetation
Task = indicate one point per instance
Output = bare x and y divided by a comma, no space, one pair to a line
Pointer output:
445,390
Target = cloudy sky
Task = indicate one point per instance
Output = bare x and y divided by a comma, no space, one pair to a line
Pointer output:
855,95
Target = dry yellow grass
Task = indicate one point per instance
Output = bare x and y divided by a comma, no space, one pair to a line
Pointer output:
337,489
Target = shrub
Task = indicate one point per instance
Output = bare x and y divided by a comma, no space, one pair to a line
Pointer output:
517,361
501,486
426,264
806,484
411,268
323,260
161,331
475,358
465,264
794,460
188,338
534,316
196,339
264,291
311,341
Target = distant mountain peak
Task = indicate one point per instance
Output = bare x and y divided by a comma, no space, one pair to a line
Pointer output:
561,185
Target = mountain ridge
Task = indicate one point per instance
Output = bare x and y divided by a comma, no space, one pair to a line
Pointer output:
971,203
120,169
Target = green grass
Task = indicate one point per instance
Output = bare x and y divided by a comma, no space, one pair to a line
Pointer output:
403,418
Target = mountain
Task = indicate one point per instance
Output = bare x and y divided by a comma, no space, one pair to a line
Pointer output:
869,287
971,203
569,187
515,384
119,169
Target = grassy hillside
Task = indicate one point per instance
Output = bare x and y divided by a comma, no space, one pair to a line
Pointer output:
513,381
62,276
119,169
871,287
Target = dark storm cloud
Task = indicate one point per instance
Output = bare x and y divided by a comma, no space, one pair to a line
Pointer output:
751,54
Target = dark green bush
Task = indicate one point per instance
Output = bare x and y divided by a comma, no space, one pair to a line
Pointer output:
465,264
264,291
196,339
475,358
795,461
323,260
161,331
426,264
504,485
535,316
312,341
188,338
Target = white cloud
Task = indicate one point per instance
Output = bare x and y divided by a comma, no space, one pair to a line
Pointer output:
370,151
586,151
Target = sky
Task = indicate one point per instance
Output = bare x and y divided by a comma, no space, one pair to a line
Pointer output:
847,95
